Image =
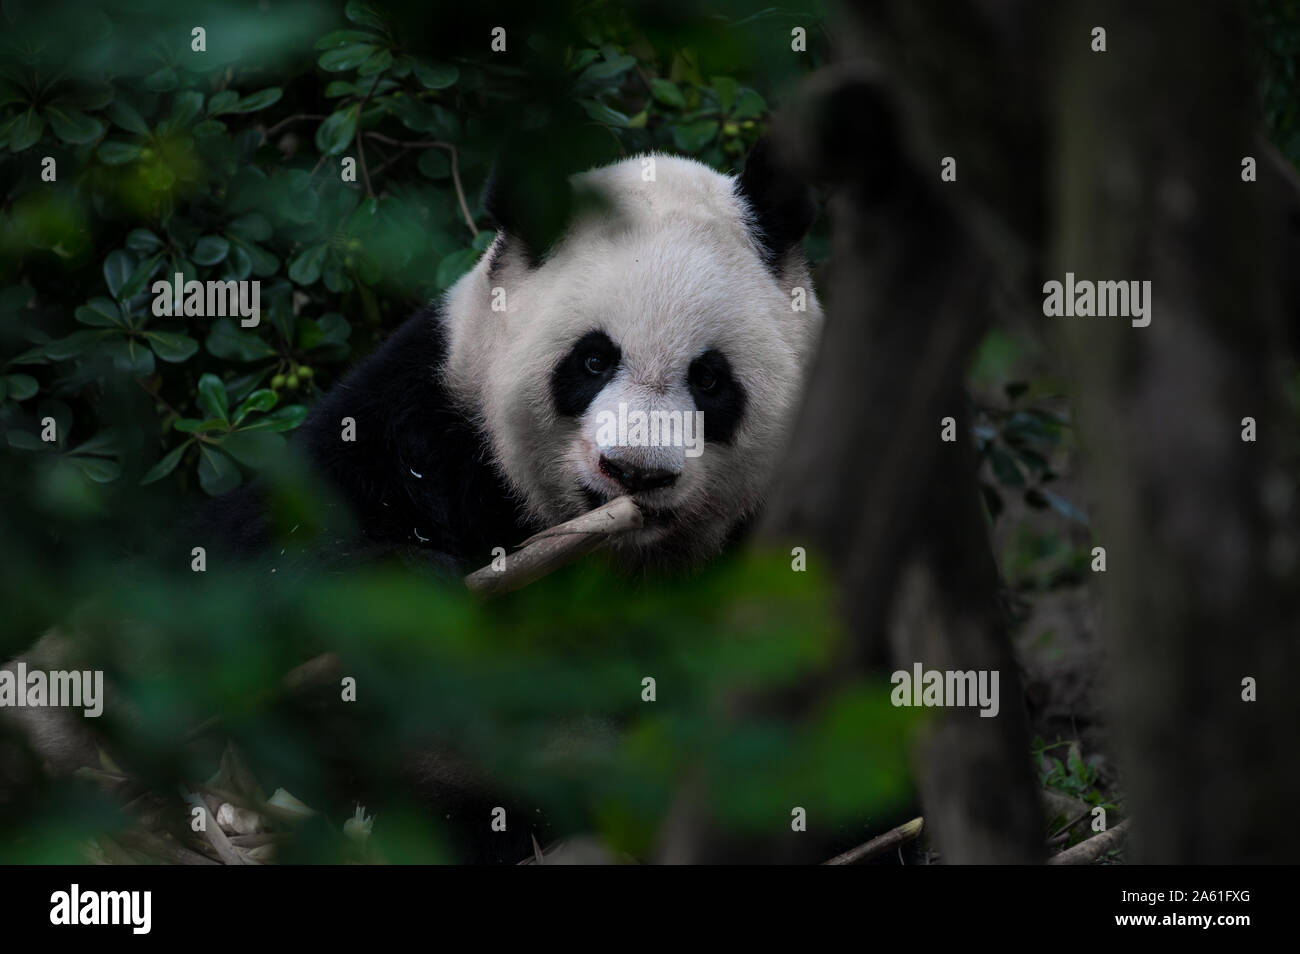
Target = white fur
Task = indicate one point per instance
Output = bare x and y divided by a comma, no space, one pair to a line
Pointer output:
669,271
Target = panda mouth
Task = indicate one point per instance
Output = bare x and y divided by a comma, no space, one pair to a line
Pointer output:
653,516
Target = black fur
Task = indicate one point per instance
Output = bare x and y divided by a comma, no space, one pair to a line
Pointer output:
416,481
574,385
782,203
718,394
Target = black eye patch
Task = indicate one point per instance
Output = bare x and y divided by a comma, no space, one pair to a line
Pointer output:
584,372
718,394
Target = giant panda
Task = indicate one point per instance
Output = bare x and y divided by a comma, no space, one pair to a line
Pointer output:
476,427
476,423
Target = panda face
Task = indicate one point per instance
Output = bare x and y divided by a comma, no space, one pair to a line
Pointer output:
653,352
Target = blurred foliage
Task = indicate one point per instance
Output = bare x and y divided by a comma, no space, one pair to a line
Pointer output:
225,164
1277,37
1025,442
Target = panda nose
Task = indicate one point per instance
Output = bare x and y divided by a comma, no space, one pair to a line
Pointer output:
636,478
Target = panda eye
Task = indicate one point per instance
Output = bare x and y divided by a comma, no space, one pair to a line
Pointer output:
703,378
595,363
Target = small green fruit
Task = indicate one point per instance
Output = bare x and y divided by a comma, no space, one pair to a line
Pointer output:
277,382
292,382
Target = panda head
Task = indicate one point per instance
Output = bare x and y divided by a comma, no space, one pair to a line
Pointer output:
655,348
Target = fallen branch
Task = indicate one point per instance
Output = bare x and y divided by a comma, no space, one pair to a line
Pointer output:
161,850
878,846
1086,852
212,831
551,549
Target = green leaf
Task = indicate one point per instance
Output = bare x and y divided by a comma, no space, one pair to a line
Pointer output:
692,137
749,105
142,240
98,469
161,80
426,117
281,419
26,131
604,114
209,127
77,343
117,269
262,399
334,327
210,250
666,92
100,313
305,268
376,64
1032,427
727,90
107,443
93,95
1005,468
252,227
263,262
212,397
346,57
186,105
222,102
239,265
114,153
454,266
435,163
124,114
344,38
436,75
334,134
15,299
364,14
143,272
72,125
259,100
217,472
24,440
598,74
171,346
20,386
165,466
230,343
254,449
130,355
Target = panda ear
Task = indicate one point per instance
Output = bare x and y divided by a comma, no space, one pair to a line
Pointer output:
781,203
530,203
